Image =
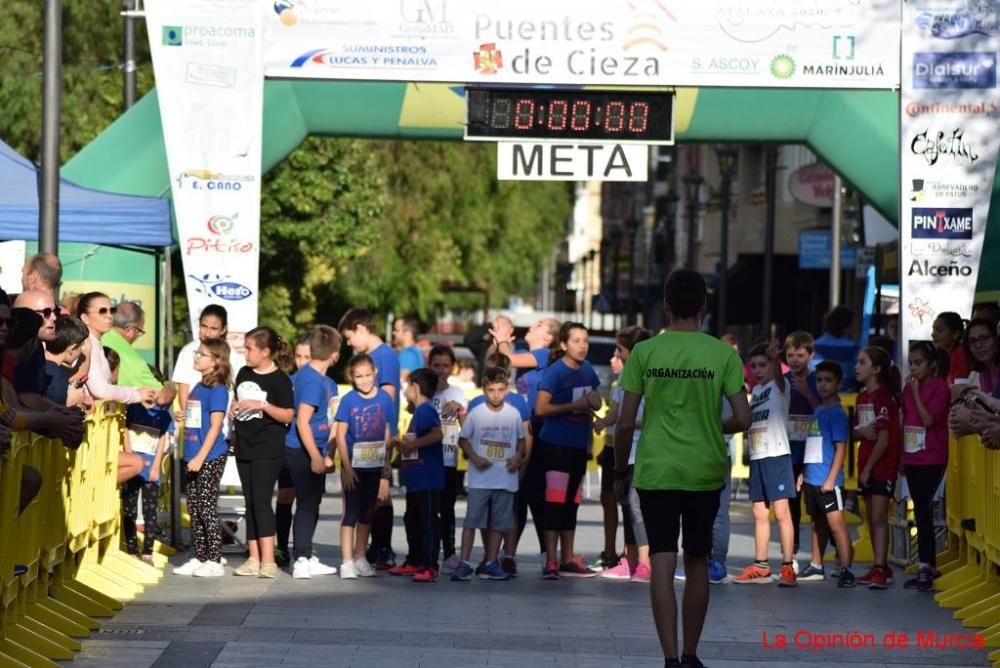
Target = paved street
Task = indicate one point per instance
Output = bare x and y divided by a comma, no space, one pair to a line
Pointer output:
238,622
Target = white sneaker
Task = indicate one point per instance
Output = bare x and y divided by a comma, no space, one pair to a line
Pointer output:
210,569
301,570
189,567
451,563
317,567
363,568
795,566
347,571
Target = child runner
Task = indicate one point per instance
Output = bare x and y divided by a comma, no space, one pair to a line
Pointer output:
799,350
606,460
567,397
358,329
263,409
306,445
822,479
366,420
877,425
635,564
926,401
286,488
492,438
450,403
205,451
771,479
422,463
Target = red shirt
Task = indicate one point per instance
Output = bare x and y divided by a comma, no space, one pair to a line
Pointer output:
958,366
936,398
881,408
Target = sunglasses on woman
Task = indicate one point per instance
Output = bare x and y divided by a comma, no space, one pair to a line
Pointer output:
105,310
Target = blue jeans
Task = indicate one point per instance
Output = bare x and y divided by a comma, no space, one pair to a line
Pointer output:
720,529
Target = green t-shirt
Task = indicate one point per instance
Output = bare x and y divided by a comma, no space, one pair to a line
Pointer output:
132,370
682,376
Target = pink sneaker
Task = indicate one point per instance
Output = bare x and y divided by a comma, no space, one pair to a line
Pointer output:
641,573
620,572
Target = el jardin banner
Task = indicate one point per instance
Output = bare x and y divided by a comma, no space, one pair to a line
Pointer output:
949,145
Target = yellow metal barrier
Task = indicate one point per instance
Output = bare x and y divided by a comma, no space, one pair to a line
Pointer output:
64,546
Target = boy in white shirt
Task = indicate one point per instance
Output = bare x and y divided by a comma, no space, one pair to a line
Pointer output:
492,438
772,482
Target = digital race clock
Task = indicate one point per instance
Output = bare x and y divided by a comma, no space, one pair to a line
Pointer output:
578,115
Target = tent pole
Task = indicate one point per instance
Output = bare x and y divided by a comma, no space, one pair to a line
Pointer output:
48,221
176,474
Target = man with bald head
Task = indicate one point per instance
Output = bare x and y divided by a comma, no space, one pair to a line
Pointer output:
42,271
127,326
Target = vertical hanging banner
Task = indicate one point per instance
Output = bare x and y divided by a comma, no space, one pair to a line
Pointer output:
949,106
210,85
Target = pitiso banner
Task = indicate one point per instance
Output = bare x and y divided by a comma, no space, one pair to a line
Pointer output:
949,147
210,86
740,43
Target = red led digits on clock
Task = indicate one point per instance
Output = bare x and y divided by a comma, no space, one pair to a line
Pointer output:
524,114
638,118
581,116
558,113
615,120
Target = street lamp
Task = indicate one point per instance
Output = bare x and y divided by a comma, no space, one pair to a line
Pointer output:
692,186
727,154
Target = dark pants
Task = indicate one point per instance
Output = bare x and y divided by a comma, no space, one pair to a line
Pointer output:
923,481
448,495
531,494
564,472
795,505
202,490
258,478
308,495
130,513
423,527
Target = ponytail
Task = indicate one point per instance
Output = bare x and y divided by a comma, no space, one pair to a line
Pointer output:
266,337
939,357
889,374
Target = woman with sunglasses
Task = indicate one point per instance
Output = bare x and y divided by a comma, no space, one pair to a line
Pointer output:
981,344
96,312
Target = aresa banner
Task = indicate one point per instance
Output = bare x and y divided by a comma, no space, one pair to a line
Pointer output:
948,155
739,43
210,86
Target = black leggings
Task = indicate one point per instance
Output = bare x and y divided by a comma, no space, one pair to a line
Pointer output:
202,489
923,481
448,494
130,513
531,494
258,478
564,471
308,495
423,527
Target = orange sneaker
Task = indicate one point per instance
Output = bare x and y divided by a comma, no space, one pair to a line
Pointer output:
787,577
426,575
405,569
754,574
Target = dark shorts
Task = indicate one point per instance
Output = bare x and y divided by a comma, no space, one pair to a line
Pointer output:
819,502
665,511
285,478
359,503
607,461
772,479
878,488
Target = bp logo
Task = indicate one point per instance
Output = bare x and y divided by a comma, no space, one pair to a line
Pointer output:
782,66
217,285
222,225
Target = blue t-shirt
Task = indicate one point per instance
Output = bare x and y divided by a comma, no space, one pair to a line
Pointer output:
426,470
411,359
57,388
840,349
366,418
566,384
209,400
527,382
319,391
138,419
800,415
832,426
515,400
386,369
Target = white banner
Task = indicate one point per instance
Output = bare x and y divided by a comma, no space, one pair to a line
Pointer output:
555,161
736,43
207,58
949,144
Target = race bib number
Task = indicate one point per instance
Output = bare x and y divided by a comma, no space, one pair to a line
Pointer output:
450,431
866,415
814,450
914,439
192,414
409,436
495,451
798,427
368,454
758,441
143,439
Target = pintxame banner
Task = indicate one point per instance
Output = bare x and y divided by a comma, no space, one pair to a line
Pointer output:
210,87
949,144
742,43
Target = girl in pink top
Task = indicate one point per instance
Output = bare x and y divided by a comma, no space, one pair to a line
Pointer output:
926,400
96,312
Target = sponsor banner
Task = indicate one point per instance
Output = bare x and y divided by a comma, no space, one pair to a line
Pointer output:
553,161
119,292
738,43
210,83
949,146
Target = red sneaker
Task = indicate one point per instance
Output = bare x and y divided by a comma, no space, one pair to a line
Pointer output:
880,579
426,575
867,577
405,569
787,578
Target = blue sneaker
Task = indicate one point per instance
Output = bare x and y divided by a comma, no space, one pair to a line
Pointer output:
679,572
717,573
492,571
462,573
